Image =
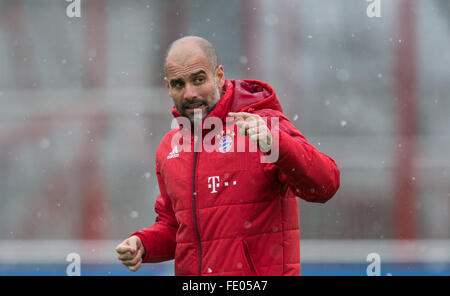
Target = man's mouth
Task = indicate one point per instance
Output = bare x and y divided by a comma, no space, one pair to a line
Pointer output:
192,107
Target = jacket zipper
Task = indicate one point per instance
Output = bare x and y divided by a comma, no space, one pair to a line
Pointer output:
194,210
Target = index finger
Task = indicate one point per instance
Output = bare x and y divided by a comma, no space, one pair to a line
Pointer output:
122,249
243,115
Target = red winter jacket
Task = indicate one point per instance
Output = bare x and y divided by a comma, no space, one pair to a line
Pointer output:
229,213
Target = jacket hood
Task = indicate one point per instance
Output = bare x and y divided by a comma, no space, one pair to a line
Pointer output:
243,96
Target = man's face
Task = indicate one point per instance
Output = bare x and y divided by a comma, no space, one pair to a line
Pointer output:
193,84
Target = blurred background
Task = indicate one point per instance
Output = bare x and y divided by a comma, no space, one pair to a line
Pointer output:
83,108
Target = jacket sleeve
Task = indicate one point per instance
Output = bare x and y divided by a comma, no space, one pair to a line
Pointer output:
159,239
312,175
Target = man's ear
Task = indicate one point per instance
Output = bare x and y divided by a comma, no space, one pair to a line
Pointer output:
167,82
220,76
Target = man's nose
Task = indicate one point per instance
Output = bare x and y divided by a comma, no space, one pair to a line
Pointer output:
190,93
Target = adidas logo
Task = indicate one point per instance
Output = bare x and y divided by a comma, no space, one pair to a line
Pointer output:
173,153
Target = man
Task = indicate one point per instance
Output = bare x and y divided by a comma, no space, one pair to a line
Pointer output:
226,212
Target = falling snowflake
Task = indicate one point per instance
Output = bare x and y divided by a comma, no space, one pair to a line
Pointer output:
44,143
243,60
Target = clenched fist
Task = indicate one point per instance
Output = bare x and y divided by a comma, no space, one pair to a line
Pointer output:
255,128
130,252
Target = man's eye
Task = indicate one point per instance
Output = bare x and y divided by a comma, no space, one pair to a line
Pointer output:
177,84
199,80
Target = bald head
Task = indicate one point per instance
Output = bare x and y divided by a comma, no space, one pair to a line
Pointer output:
187,47
193,79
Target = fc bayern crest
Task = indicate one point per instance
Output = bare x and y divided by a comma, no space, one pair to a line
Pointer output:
225,144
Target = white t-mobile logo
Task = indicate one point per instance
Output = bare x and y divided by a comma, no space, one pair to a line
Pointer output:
213,184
